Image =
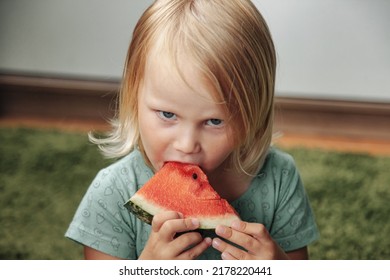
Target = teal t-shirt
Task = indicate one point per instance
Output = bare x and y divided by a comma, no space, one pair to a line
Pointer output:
275,198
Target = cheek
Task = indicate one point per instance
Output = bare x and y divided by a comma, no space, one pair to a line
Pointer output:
219,151
145,131
151,132
153,140
150,147
149,137
147,125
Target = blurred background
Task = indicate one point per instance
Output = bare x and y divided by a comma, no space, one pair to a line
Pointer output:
60,68
61,61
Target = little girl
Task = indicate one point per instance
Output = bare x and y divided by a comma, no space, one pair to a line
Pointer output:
198,88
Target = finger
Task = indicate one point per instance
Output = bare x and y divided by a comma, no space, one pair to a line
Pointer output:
171,227
229,252
240,238
258,231
187,240
160,218
227,256
264,246
196,250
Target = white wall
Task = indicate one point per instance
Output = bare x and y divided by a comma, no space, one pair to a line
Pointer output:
326,48
67,37
336,49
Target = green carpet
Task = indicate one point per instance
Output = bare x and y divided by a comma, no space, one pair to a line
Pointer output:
44,174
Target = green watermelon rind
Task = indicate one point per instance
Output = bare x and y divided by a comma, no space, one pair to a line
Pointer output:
147,217
139,212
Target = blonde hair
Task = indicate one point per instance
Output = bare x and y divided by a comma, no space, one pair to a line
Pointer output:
230,43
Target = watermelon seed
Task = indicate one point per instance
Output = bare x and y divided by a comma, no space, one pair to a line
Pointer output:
195,176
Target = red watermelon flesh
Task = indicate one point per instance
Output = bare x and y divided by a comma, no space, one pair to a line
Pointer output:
183,188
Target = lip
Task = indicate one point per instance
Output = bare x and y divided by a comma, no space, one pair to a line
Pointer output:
186,162
182,162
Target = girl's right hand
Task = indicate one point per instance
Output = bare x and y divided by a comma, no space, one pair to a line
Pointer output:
165,244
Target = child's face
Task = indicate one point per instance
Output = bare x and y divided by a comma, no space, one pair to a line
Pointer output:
180,122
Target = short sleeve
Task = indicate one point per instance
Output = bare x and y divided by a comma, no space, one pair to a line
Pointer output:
277,199
101,221
294,225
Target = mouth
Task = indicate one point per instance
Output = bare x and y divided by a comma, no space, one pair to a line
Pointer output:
185,162
182,162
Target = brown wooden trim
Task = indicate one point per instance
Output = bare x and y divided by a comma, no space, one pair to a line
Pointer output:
334,106
76,100
353,119
57,98
55,84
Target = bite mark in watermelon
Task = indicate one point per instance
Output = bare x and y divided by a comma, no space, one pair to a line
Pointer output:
182,188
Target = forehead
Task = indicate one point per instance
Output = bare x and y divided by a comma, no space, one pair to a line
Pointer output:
167,68
180,90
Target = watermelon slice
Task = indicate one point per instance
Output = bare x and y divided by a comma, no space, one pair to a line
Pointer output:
183,188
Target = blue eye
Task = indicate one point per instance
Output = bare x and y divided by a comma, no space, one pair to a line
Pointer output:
215,122
166,115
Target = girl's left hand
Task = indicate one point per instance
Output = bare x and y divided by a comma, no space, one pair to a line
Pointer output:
253,237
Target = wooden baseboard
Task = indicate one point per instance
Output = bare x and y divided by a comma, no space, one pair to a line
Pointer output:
350,119
75,100
57,98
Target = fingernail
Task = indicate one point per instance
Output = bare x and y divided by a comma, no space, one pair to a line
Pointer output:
195,222
220,230
208,241
225,256
216,243
236,224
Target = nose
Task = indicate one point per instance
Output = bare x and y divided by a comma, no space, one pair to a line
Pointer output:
187,141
